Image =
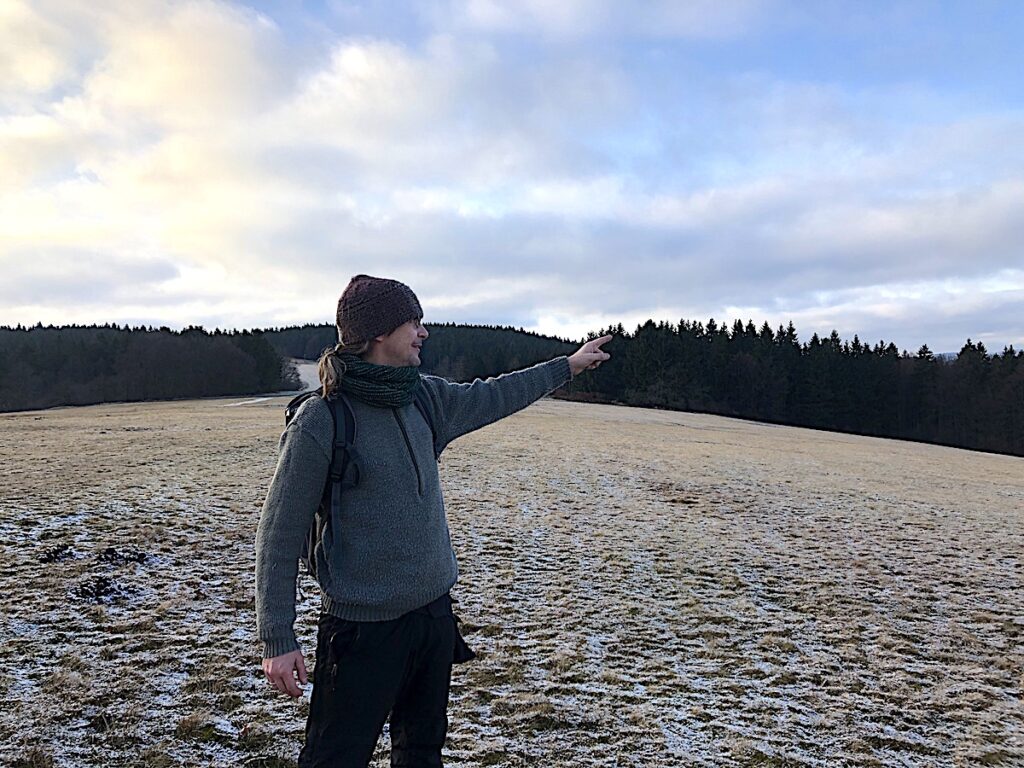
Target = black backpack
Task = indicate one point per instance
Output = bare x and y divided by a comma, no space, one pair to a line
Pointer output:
345,466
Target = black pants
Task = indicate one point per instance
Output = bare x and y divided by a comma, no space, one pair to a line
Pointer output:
366,670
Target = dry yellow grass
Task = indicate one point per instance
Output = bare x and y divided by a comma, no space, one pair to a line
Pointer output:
644,588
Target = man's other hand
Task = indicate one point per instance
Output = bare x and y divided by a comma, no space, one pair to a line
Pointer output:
589,356
280,671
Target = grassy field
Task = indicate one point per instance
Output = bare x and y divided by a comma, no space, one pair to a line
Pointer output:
643,588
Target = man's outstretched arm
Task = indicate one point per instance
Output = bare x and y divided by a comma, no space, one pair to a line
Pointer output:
467,407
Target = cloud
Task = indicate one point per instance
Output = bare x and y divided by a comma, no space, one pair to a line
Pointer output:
534,164
445,113
191,65
73,277
150,149
587,18
932,312
32,58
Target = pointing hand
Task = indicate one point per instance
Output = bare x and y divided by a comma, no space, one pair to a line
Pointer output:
589,356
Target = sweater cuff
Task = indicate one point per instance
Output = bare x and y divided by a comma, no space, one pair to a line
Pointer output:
559,372
565,371
278,646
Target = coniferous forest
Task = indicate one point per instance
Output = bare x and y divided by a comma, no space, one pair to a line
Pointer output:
78,365
971,400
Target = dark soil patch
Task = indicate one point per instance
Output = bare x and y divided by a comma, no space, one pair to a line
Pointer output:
117,556
100,589
57,554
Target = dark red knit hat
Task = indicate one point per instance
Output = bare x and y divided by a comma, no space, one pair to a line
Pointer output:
374,306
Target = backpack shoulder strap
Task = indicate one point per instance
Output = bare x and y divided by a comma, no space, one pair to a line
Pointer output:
295,403
343,472
423,404
345,462
343,433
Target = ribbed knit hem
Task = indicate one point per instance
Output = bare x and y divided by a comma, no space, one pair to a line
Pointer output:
563,371
278,646
351,612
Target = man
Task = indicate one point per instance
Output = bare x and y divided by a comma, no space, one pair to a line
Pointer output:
386,637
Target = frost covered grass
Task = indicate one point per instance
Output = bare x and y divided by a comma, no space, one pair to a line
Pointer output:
643,588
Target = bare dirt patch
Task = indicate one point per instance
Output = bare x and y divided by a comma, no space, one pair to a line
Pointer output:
643,588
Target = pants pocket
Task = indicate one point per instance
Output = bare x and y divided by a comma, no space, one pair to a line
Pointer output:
342,636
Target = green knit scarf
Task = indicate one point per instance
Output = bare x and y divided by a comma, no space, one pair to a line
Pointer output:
386,386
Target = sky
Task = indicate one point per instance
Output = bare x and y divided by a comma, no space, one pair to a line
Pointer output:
559,166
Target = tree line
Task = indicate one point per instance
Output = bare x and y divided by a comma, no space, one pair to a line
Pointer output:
971,400
42,367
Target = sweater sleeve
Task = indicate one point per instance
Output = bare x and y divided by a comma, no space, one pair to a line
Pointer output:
287,513
467,407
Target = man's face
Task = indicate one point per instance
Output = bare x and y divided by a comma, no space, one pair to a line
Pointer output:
401,347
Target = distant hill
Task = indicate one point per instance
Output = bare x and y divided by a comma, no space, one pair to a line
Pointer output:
456,352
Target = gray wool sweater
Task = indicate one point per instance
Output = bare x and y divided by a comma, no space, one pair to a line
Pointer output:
389,551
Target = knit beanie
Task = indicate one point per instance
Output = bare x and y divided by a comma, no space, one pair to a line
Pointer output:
374,306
